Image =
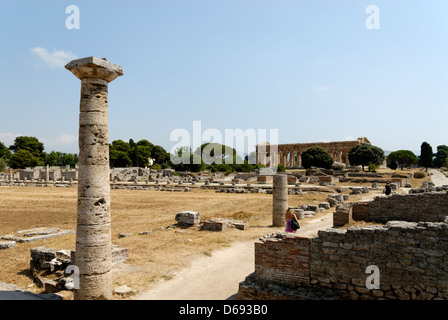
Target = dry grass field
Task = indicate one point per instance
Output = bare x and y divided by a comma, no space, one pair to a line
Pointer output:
154,256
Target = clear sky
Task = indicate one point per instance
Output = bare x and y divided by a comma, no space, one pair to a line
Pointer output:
310,69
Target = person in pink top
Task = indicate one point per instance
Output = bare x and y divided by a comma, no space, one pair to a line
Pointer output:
289,216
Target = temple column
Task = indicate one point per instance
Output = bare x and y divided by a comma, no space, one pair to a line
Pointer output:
93,256
280,199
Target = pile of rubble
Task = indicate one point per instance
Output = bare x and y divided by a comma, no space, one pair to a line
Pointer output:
52,269
192,218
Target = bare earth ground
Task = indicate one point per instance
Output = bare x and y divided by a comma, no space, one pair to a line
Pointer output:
165,264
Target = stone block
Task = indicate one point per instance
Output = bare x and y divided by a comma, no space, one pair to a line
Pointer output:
214,225
221,224
188,217
7,244
324,205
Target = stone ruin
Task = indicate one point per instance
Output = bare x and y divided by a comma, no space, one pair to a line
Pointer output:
290,155
31,235
134,178
48,267
192,218
407,244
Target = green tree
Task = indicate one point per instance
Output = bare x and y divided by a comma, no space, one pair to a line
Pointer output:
160,155
403,158
143,153
120,145
217,153
186,160
70,159
2,165
52,158
316,156
60,159
31,144
5,153
365,154
22,159
119,159
120,153
426,155
440,156
126,154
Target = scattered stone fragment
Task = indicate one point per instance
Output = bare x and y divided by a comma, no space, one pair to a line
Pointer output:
7,244
124,291
124,235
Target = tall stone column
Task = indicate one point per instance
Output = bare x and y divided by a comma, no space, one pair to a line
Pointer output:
280,199
47,173
93,255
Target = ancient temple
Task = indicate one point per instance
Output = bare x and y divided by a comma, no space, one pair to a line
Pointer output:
290,154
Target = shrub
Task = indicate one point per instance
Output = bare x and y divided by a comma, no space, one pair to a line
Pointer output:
419,175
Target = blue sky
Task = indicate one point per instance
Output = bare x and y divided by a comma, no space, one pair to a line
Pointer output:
311,69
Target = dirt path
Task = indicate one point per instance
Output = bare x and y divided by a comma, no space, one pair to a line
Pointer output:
217,277
438,178
12,292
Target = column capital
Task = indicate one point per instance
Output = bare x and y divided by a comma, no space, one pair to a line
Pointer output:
92,67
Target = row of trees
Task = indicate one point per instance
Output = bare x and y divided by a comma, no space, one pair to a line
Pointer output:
426,159
140,154
29,152
372,157
214,157
360,155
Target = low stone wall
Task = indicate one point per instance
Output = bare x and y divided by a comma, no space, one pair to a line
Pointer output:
410,256
429,206
289,254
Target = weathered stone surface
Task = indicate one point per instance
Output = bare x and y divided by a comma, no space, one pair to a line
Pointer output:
93,247
92,67
410,256
221,224
36,234
280,199
7,244
188,217
124,291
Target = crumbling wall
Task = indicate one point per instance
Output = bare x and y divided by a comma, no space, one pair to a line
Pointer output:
410,256
290,255
429,206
